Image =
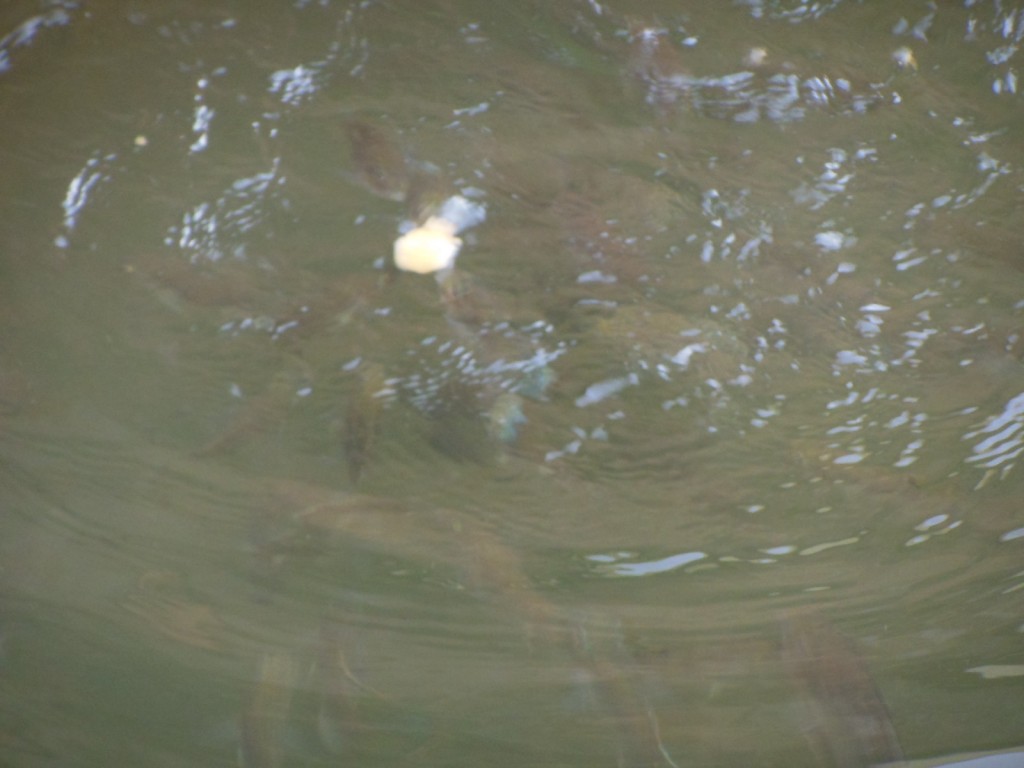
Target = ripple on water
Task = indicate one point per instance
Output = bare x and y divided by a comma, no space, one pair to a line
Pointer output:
782,298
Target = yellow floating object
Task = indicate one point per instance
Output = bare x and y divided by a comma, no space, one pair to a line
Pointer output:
428,248
903,58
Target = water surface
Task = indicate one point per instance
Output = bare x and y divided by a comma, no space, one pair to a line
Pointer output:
738,348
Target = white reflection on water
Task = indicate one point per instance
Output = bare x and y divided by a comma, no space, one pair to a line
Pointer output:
834,179
1017,533
1002,436
522,365
796,11
826,545
996,671
295,85
25,34
602,390
95,170
648,568
206,232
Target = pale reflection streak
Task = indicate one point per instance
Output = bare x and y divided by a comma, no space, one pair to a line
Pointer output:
625,564
1016,533
800,11
1001,437
205,230
835,177
663,565
95,170
997,671
933,526
26,33
440,362
997,442
202,115
1009,24
295,85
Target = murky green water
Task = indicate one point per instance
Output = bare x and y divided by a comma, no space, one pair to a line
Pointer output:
709,456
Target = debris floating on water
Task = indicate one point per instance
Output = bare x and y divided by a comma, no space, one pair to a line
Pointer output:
433,246
903,58
756,57
429,248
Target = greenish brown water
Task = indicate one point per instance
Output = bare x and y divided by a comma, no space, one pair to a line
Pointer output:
765,325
